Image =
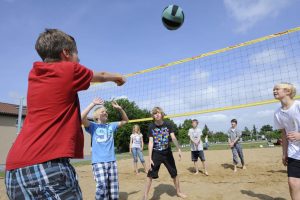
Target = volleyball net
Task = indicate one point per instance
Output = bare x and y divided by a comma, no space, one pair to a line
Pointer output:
234,77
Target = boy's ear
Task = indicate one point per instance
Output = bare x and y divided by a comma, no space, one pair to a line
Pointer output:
65,54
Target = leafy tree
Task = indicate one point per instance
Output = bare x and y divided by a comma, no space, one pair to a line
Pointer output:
254,132
183,131
266,130
219,137
246,134
205,131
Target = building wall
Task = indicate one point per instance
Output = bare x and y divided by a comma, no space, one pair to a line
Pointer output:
8,130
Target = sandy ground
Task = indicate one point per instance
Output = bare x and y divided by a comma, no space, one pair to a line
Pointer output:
264,179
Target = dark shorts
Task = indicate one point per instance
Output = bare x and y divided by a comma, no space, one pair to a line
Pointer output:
165,157
293,168
197,154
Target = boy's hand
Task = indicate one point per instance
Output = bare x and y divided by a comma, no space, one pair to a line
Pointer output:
151,164
116,105
293,136
179,154
98,101
121,80
284,160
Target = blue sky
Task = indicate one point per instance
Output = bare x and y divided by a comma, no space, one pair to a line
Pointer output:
126,36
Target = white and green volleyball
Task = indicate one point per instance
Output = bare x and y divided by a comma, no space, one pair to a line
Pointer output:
172,17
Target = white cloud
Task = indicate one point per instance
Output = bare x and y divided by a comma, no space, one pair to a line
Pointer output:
265,113
268,56
249,12
199,74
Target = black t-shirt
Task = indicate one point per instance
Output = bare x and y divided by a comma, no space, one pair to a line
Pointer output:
161,135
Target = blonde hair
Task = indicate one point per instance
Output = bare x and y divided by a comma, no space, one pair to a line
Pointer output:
288,86
136,126
156,110
96,111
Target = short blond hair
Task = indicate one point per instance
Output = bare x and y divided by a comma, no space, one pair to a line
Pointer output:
288,86
95,114
156,110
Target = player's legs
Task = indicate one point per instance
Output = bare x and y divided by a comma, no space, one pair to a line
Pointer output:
101,178
196,167
157,159
55,179
234,157
202,158
293,170
195,155
177,186
294,186
135,160
141,157
147,188
113,186
241,155
169,162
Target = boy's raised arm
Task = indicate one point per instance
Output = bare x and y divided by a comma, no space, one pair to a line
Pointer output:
85,112
106,76
123,113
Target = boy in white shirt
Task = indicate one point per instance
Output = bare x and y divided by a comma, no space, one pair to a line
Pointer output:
195,134
287,119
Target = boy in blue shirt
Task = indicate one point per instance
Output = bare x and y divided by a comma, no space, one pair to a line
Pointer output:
103,154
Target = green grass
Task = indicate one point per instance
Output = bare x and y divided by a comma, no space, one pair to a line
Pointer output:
2,174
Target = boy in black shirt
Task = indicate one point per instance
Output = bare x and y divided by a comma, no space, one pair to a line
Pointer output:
160,135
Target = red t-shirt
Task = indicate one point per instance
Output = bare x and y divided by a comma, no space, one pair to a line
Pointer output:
52,127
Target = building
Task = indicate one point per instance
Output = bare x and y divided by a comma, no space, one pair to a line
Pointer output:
8,130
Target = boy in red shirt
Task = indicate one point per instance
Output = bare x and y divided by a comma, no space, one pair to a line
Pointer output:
37,165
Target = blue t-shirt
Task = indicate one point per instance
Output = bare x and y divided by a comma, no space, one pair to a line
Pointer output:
103,148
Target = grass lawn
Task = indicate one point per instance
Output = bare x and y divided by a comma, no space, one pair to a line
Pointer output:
2,174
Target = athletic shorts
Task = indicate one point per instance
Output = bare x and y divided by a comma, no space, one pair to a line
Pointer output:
293,168
197,154
51,180
162,157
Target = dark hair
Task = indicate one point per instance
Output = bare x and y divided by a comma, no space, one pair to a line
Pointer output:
234,120
52,42
195,120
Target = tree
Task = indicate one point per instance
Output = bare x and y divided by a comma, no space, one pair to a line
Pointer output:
219,137
254,132
266,128
205,131
183,131
246,134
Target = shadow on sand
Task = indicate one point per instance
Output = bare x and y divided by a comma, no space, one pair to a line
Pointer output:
125,195
260,196
162,189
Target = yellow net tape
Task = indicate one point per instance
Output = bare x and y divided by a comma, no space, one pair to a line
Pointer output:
214,110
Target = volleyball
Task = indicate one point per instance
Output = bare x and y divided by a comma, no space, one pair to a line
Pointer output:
172,17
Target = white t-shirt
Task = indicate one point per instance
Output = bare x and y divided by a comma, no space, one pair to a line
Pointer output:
136,140
290,121
196,134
